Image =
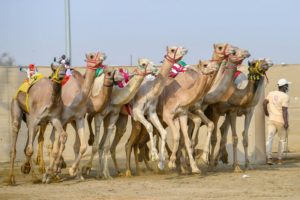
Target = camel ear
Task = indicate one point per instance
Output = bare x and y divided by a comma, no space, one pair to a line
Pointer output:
215,46
167,48
200,62
139,60
53,67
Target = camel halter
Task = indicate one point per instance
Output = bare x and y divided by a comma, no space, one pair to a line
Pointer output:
256,72
172,60
112,78
94,61
144,73
223,53
55,76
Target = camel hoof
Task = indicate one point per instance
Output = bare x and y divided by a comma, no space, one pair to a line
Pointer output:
12,180
211,168
171,165
86,170
25,168
91,141
128,173
249,167
154,156
161,165
106,176
46,178
63,164
196,171
237,169
72,172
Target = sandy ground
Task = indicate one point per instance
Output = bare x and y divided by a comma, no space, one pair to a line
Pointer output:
263,182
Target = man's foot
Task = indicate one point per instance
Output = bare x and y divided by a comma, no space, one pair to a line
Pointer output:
270,161
279,162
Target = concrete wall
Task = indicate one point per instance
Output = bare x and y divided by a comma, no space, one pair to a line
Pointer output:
11,78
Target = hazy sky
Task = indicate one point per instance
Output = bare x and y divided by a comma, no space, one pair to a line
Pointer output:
33,31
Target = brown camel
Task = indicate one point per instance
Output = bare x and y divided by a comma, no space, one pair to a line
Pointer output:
110,114
75,95
40,105
145,102
242,102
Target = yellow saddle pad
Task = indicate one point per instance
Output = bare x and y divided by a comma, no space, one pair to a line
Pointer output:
27,84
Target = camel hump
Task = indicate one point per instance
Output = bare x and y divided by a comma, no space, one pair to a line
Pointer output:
98,83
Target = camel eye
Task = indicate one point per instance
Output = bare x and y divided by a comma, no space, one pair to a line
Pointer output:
205,65
220,48
143,64
172,50
92,56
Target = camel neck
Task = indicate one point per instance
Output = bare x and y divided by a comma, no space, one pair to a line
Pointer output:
196,92
223,86
161,79
122,96
56,95
88,83
100,101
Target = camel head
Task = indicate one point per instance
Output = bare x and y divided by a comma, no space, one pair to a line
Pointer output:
207,67
257,68
145,67
58,72
238,56
222,51
175,54
94,60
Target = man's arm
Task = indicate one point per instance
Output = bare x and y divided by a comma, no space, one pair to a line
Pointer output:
285,117
265,106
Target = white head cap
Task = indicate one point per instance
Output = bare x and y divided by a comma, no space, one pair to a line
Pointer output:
282,82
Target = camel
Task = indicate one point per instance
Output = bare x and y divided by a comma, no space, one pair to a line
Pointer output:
241,102
218,91
75,95
40,105
145,102
221,51
110,114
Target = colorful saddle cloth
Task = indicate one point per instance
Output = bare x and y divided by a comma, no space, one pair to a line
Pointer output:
27,84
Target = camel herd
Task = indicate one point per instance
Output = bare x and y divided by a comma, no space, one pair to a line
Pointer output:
198,96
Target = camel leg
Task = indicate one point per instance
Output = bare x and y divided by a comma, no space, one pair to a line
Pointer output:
121,129
83,146
175,127
197,123
144,150
135,132
233,116
32,132
222,153
91,137
86,169
137,166
111,129
183,124
40,153
16,115
211,135
163,134
139,116
248,118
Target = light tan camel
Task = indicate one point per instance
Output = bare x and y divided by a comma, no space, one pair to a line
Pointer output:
41,105
110,114
242,102
145,103
220,91
221,51
75,95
